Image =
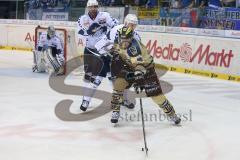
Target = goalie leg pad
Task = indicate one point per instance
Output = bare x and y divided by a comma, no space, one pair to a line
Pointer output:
53,62
39,61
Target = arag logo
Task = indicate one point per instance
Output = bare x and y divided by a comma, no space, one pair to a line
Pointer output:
202,54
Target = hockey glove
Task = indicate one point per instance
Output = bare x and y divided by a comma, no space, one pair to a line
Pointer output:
93,29
138,88
137,75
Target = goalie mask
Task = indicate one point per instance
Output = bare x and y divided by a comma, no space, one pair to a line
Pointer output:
125,37
51,31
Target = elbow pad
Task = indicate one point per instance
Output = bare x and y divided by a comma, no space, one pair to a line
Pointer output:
81,32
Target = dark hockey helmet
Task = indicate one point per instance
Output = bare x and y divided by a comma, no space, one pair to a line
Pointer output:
125,36
51,31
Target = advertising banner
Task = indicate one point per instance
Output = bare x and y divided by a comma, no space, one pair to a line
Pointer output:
210,56
148,13
222,18
200,53
55,16
179,17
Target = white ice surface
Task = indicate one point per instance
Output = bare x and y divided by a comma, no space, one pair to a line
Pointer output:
30,130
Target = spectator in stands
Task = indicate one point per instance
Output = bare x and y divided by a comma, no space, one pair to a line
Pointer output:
151,3
134,2
175,4
187,3
127,2
107,2
229,3
215,3
201,3
117,3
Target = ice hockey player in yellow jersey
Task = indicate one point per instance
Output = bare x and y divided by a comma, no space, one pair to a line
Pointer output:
132,65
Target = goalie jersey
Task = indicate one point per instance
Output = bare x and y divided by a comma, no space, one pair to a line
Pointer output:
45,41
95,29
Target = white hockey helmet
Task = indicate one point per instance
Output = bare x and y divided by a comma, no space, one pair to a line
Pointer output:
92,3
131,18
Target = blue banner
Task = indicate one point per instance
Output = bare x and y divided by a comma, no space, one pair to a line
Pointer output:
179,17
222,18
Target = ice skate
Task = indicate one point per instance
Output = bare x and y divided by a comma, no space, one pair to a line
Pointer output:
128,104
115,117
84,105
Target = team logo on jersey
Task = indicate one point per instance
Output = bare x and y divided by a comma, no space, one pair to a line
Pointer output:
86,24
132,51
102,21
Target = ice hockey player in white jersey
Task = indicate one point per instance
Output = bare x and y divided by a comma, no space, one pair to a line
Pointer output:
94,25
49,53
105,44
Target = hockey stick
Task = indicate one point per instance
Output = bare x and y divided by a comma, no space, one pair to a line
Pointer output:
143,127
138,90
99,55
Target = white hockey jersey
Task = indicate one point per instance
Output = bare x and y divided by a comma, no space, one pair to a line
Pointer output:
55,41
110,38
95,29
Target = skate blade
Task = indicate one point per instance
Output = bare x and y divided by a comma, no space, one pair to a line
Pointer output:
115,125
177,125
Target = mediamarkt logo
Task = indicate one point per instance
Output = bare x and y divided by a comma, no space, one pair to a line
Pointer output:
203,54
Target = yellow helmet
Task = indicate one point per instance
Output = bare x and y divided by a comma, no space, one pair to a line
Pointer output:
125,36
125,33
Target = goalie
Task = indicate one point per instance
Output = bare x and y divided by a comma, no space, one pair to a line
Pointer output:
132,65
49,54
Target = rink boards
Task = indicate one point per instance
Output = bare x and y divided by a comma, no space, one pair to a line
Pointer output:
209,53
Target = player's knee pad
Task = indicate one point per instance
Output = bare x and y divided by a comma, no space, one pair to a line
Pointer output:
60,58
117,100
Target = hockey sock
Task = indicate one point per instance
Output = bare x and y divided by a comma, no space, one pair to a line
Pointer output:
93,86
163,103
